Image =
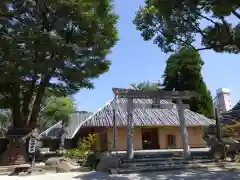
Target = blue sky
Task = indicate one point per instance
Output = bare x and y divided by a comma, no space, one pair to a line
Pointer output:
135,60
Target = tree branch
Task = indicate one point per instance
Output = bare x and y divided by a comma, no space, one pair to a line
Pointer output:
178,39
226,27
27,97
236,14
205,48
16,106
37,103
213,46
204,17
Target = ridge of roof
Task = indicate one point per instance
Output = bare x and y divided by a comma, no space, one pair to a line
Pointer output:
87,119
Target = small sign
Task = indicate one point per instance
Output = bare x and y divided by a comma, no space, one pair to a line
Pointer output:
32,145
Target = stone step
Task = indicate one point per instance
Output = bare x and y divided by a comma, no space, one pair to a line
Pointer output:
146,159
147,169
162,163
172,167
165,155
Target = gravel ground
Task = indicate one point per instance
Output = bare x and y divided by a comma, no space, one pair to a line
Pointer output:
175,175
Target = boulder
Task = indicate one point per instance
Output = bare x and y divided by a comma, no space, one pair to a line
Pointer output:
107,161
61,164
53,162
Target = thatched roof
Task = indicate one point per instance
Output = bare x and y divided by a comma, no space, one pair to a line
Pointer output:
142,117
75,120
233,114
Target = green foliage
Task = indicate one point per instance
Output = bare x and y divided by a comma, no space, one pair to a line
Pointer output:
227,132
56,109
174,24
183,72
147,85
77,154
88,143
53,45
85,146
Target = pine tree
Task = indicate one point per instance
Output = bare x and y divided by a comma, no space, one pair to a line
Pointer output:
183,72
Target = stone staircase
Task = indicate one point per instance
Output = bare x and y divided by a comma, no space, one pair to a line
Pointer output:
159,161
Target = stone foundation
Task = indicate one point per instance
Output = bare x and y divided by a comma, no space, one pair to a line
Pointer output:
15,154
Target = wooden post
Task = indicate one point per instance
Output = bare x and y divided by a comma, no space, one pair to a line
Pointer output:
114,129
130,128
183,127
218,128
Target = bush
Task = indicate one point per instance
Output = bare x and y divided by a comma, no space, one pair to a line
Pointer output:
76,154
89,143
85,146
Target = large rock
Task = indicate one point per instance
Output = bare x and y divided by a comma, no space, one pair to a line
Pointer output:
107,161
53,163
61,164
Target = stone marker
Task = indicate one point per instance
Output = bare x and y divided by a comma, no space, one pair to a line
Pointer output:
108,161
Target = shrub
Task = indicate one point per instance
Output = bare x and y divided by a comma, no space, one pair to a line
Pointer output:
89,143
84,147
76,154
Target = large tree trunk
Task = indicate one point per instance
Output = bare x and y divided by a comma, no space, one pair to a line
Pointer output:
16,152
37,103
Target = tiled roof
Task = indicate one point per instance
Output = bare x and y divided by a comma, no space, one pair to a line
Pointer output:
142,117
76,119
233,114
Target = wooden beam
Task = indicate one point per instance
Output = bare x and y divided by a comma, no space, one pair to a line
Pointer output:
149,94
154,106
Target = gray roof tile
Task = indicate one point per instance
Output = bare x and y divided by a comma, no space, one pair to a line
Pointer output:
143,117
233,114
75,120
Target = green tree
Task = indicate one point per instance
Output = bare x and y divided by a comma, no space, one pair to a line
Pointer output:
183,72
53,110
146,85
51,45
56,109
174,24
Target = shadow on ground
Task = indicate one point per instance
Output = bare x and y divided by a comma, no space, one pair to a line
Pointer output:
224,174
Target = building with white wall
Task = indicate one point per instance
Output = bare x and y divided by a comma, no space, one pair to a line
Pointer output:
223,100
